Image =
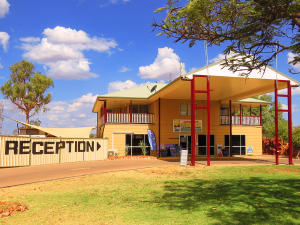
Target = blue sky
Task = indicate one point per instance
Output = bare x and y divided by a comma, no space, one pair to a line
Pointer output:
90,47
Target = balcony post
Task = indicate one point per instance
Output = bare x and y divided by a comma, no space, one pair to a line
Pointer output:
260,115
130,112
105,112
241,114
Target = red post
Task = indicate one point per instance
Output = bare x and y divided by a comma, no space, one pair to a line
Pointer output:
105,113
240,114
193,122
260,115
276,123
130,113
208,122
290,124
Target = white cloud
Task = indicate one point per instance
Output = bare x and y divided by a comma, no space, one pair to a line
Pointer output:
220,57
296,91
124,69
4,38
166,65
4,8
285,107
1,66
113,2
290,58
30,39
121,85
61,52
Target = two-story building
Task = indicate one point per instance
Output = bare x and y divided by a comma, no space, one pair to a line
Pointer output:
235,118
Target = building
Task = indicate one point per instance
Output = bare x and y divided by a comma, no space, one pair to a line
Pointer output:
198,104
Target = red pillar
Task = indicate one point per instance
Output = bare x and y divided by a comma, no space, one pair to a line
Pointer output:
208,122
276,123
105,112
130,113
290,124
193,121
230,127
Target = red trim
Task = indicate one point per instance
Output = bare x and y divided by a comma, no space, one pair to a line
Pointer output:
199,91
283,110
290,124
201,107
283,95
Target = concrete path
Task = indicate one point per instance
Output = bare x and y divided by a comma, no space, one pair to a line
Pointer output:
26,175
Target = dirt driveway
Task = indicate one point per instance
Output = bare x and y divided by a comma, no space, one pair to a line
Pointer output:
26,175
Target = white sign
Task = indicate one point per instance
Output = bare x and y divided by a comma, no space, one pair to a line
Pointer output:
183,157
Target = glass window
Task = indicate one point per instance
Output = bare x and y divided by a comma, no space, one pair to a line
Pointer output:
238,144
183,109
133,140
202,144
224,111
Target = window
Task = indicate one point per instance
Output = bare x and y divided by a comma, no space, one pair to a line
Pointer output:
140,109
202,144
238,144
224,111
185,109
133,140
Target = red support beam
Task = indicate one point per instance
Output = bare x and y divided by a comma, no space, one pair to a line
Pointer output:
193,122
230,127
276,124
290,124
282,95
201,107
208,122
130,112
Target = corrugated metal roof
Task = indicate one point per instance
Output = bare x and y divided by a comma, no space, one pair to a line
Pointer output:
253,100
141,91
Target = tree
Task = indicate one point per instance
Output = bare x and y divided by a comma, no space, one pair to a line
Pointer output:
257,30
26,89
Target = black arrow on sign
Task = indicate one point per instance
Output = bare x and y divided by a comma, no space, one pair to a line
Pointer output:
98,146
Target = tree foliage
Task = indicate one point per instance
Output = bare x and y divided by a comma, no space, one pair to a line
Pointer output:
26,89
257,30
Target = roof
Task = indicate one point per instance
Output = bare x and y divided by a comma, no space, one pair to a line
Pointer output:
76,132
253,100
141,91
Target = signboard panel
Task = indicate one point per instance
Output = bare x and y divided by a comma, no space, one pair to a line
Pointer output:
185,125
183,157
24,151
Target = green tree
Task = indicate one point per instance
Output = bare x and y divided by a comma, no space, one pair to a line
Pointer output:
26,89
257,30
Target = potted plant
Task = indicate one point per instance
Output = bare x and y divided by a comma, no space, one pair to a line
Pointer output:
143,147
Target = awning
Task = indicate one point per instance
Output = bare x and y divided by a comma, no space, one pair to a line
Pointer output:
75,132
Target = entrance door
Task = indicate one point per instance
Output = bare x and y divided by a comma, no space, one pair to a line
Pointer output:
185,142
202,144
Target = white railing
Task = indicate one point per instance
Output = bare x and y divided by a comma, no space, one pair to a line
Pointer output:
123,118
236,120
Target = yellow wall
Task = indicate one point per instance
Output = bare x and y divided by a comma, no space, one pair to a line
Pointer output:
119,139
170,110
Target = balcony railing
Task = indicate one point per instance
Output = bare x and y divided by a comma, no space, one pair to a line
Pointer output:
246,120
128,118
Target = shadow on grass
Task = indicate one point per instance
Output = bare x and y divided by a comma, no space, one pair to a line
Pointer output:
236,201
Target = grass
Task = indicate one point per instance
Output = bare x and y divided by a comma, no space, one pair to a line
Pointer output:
173,195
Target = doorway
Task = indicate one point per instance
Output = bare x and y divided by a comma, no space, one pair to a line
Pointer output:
185,142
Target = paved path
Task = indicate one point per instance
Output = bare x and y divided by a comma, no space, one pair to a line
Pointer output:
26,175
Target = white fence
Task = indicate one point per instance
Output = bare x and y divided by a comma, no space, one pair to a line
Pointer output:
120,118
24,151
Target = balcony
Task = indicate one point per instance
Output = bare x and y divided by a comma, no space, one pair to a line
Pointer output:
127,118
241,120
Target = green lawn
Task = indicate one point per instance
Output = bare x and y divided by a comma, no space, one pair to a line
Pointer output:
176,195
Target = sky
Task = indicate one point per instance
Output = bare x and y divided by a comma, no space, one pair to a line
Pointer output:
92,47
